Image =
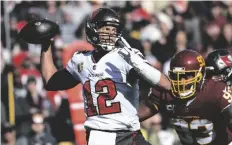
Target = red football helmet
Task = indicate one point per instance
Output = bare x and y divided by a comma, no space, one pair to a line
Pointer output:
187,71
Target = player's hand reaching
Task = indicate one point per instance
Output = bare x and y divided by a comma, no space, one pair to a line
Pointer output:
131,55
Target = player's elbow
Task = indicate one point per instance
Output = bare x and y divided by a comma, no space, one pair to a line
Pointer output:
47,75
61,80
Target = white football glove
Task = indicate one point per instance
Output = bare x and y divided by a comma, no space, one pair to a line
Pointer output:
135,58
132,56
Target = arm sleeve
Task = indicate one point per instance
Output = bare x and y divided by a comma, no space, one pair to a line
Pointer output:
61,80
65,78
144,69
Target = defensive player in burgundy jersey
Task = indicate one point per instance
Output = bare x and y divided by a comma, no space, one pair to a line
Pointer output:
199,109
111,97
219,64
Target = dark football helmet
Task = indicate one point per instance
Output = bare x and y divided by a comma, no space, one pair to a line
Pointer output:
219,65
99,18
187,72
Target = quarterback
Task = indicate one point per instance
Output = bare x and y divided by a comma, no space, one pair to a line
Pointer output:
200,109
111,94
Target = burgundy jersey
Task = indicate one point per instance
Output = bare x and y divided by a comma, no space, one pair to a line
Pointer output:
197,121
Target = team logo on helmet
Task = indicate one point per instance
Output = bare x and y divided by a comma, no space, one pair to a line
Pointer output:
201,60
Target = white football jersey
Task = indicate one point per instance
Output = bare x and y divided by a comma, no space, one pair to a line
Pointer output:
110,101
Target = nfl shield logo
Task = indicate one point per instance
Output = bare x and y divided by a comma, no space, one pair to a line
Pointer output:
80,67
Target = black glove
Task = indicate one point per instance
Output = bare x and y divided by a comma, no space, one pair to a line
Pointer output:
45,45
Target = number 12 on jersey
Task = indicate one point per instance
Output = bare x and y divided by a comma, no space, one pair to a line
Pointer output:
102,99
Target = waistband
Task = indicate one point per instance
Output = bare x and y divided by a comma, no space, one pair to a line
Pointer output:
114,131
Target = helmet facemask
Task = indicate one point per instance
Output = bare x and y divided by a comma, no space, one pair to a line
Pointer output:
184,82
108,37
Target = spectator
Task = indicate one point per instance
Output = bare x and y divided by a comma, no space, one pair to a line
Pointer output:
62,127
8,134
52,12
33,97
77,10
38,134
216,15
19,89
192,26
226,39
33,102
148,55
67,29
163,48
211,37
180,44
229,13
151,33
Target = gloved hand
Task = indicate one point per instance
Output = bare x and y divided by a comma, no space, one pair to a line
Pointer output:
132,56
45,45
135,58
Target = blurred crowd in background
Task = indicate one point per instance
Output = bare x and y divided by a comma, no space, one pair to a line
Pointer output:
158,29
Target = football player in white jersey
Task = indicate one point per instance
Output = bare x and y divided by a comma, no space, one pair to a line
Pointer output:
110,90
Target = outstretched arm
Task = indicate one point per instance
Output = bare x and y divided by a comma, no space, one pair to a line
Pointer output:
142,67
54,79
41,32
47,65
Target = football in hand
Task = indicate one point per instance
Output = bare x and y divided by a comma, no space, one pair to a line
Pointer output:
38,31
